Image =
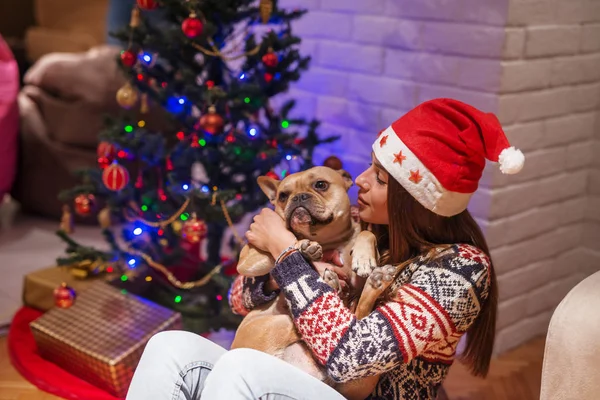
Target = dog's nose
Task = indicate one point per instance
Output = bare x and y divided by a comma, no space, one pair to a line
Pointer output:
301,197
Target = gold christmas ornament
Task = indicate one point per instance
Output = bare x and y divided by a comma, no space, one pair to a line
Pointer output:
177,226
66,221
104,218
127,96
134,22
266,8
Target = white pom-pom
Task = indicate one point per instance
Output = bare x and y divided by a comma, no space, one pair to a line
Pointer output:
511,161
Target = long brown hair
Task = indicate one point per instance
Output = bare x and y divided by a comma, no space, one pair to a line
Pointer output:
414,230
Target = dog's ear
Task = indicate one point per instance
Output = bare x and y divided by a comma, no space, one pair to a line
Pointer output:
347,178
269,187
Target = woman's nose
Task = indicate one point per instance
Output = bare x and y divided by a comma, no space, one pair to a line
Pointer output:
361,182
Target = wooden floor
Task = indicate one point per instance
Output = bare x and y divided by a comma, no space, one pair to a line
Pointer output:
514,376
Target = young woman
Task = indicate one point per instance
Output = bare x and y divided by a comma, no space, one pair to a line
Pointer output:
415,194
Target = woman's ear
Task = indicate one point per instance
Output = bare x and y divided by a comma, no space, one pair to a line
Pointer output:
347,178
269,187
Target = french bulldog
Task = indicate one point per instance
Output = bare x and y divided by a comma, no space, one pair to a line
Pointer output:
316,207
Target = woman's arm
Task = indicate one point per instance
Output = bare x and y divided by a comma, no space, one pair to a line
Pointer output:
440,302
248,293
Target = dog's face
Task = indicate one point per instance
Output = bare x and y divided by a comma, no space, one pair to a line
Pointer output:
314,203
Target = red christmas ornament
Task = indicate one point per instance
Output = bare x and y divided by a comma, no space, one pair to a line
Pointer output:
268,77
147,4
106,150
192,26
298,141
115,177
128,58
139,182
210,84
212,122
84,204
169,165
194,230
64,296
270,60
161,195
272,175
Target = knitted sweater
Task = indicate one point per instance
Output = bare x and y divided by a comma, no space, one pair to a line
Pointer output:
410,341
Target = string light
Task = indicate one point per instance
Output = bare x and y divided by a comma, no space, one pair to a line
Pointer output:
202,142
142,124
128,128
285,124
177,299
109,269
123,278
247,100
148,278
184,216
180,135
131,262
185,187
205,189
124,291
242,76
144,208
253,131
288,157
219,297
137,231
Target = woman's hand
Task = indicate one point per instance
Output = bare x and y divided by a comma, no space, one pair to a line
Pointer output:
268,233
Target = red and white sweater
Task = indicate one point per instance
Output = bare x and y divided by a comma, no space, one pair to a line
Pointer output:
410,341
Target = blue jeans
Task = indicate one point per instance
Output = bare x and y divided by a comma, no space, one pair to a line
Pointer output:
179,365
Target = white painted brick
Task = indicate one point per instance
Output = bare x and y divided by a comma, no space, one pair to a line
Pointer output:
590,263
590,38
570,262
593,208
291,4
532,222
572,211
530,13
496,232
305,103
324,81
585,97
521,75
509,108
308,47
422,67
526,136
328,25
341,147
383,91
485,12
513,199
487,102
596,145
568,129
538,164
569,12
594,181
341,112
591,235
481,75
514,43
351,57
480,203
387,31
591,11
463,39
575,69
357,6
552,40
547,297
511,310
561,187
544,103
579,155
521,332
445,10
522,280
387,116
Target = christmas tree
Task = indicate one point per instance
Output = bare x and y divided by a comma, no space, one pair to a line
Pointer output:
166,198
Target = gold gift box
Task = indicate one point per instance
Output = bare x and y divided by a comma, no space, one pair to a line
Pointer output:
102,336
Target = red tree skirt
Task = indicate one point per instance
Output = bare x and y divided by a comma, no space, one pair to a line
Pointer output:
42,373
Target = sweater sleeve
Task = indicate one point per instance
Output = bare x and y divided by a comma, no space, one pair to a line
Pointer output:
440,301
247,293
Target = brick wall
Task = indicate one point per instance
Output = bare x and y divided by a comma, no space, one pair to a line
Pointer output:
542,223
534,63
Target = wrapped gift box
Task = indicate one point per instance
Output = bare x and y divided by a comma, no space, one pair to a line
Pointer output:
102,336
38,287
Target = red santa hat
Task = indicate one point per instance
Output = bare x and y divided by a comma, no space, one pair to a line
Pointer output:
437,152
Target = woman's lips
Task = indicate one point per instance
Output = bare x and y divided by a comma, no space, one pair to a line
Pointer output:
362,202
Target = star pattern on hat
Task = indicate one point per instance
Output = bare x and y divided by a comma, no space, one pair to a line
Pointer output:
415,176
380,132
383,141
398,158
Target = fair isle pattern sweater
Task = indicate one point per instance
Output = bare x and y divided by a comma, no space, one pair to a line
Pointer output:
410,341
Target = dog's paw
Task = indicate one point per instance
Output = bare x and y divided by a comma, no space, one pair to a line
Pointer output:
382,276
363,264
331,278
311,250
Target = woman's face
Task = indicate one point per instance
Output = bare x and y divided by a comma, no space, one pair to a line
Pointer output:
372,194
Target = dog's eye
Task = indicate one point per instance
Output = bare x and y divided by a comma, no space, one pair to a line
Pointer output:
321,185
283,196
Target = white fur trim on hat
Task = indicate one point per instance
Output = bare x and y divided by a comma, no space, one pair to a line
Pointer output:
511,160
428,190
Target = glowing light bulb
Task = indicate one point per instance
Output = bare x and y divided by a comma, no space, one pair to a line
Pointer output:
137,231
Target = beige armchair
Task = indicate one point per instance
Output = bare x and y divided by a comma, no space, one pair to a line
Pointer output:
571,369
66,26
